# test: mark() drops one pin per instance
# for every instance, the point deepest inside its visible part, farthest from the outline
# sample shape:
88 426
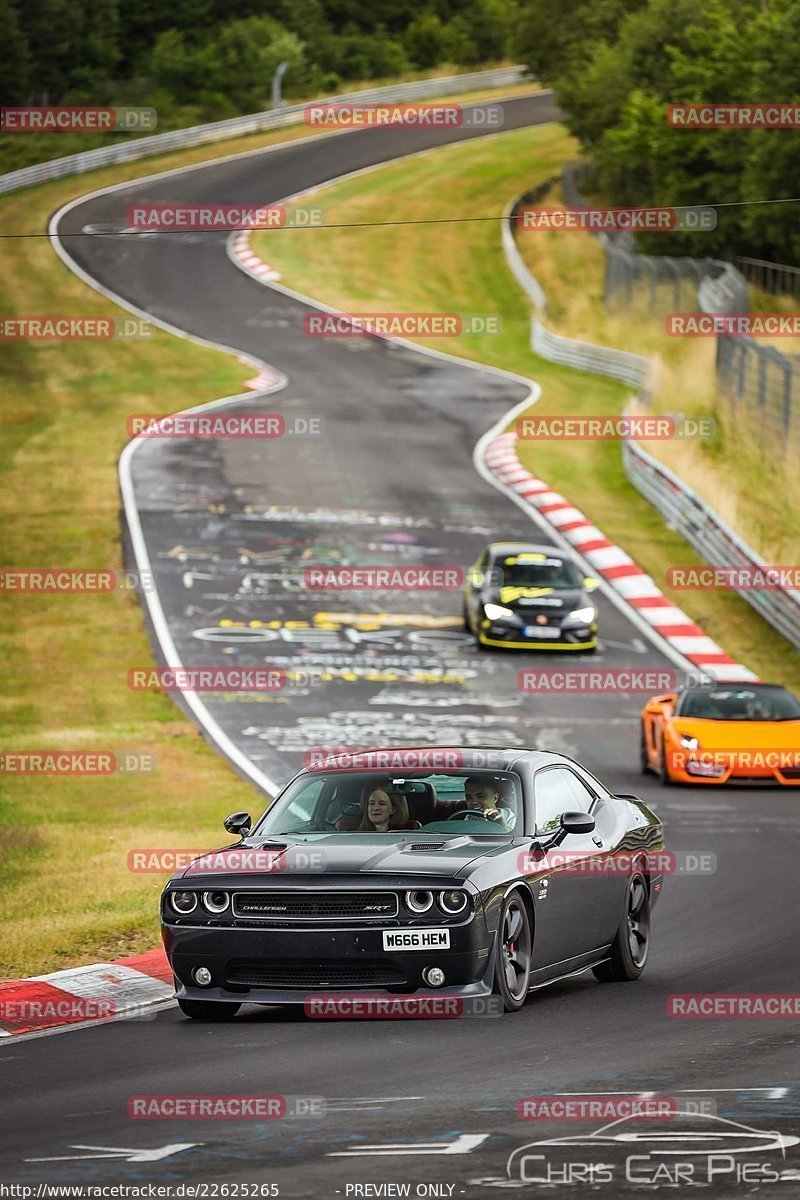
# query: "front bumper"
512 635
287 966
717 767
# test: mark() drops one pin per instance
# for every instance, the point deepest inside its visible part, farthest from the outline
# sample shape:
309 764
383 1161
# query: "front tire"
664 777
512 974
631 944
208 1010
644 758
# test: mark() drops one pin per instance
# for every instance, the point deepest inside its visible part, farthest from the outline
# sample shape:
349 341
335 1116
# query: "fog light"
202 976
433 976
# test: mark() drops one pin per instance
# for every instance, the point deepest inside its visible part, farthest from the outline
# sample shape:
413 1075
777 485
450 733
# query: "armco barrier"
216 131
680 505
632 369
508 224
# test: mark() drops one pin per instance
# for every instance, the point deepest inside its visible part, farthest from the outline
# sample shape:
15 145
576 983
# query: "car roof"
469 758
500 549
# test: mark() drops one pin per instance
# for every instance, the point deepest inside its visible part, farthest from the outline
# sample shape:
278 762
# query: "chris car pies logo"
697 1150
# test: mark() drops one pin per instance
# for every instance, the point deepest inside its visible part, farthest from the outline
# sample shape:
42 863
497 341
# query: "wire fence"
682 508
777 278
761 384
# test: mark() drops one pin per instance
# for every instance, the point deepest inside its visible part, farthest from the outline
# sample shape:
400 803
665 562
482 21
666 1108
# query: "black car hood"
342 854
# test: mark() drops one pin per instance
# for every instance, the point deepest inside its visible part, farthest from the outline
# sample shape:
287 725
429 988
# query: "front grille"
790 772
315 906
529 615
292 973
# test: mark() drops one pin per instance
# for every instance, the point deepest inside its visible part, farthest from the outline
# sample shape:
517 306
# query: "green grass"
67 896
460 267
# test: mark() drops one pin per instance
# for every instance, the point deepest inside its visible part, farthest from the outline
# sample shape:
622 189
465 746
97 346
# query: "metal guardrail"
684 510
722 289
632 369
528 282
709 535
215 131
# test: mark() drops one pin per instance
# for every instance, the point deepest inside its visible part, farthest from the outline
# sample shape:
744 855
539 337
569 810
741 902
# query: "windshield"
540 571
740 704
356 802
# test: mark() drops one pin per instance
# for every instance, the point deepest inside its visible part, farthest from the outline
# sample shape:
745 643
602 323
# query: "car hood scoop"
323 855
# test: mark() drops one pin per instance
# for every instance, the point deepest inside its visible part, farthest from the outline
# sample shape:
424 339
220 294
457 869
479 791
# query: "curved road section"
229 528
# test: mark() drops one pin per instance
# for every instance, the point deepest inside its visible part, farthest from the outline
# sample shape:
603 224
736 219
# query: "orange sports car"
723 733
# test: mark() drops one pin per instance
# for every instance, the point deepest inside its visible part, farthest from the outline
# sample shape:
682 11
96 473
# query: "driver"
482 793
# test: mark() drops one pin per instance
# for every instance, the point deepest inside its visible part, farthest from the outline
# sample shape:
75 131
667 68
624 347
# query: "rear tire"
208 1010
512 973
631 944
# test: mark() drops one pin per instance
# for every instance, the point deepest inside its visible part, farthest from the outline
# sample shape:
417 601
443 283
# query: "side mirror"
590 584
238 823
577 822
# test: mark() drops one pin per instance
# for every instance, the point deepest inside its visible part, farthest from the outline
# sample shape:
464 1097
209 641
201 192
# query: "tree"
426 40
15 59
237 61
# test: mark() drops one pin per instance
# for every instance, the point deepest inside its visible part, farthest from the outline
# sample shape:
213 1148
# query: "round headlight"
216 902
419 902
452 903
183 902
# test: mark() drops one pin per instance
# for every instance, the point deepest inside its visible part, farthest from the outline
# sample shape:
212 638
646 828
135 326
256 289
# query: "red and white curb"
239 250
93 995
264 381
248 260
611 564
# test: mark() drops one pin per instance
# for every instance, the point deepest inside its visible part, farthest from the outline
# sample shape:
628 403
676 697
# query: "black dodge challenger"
418 872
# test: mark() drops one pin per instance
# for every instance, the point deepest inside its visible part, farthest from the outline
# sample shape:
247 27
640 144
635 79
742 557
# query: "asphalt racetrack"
227 527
